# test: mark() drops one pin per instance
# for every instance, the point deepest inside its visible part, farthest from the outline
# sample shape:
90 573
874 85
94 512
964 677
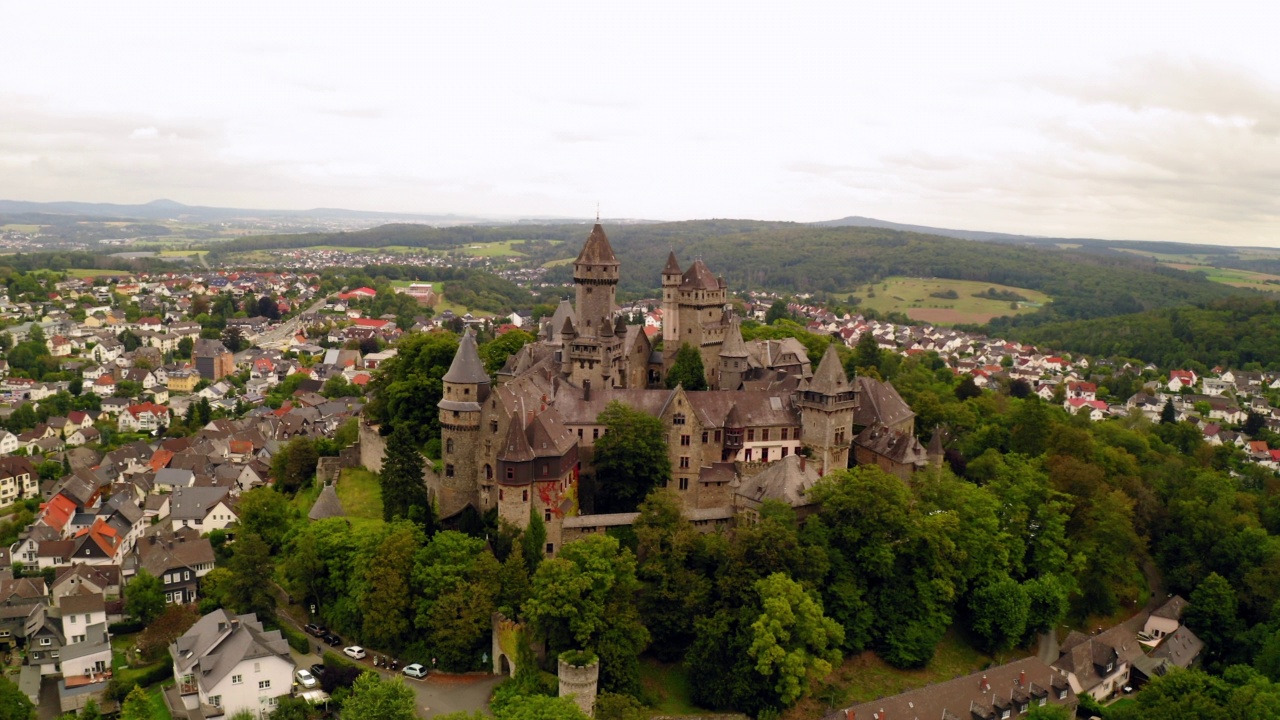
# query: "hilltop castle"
768 429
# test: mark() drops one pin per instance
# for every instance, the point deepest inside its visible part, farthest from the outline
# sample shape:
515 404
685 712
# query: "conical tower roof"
517 448
466 367
672 267
733 346
597 251
566 328
734 418
327 504
606 328
829 379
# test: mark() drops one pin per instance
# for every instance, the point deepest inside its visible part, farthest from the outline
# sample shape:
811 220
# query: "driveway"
438 694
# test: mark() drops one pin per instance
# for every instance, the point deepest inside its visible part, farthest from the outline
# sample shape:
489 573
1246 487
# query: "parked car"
305 679
415 671
317 670
332 640
316 630
355 651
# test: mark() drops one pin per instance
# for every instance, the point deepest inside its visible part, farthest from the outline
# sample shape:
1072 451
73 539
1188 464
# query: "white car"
305 678
355 651
415 671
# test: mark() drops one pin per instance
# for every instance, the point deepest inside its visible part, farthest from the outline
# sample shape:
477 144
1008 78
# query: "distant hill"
171 210
859 221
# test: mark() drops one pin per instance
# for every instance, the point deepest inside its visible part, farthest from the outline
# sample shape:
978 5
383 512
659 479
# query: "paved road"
279 335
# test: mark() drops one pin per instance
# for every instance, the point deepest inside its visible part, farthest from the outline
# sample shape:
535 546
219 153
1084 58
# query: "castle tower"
733 358
670 305
515 475
826 403
579 674
595 277
466 386
700 318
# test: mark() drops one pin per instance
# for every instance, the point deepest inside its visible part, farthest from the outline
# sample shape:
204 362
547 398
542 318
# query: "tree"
294 708
403 486
14 704
967 388
155 639
295 465
585 598
76 386
144 597
867 353
533 540
513 585
373 698
185 347
268 308
541 707
456 580
777 311
687 370
1253 422
249 587
675 591
136 706
999 612
495 352
1213 614
233 338
266 513
792 642
386 600
1168 415
630 458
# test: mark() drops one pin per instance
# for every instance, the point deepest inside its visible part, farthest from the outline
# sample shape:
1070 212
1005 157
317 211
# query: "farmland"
916 298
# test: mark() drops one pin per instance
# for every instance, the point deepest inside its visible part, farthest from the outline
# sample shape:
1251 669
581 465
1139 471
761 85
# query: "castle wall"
580 682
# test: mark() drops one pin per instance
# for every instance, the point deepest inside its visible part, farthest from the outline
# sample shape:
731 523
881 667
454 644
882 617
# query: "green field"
442 301
1235 278
555 263
182 253
912 297
93 272
361 497
18 227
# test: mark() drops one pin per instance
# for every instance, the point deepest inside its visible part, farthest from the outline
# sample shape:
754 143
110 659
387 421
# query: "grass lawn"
494 249
913 297
93 272
306 498
120 665
556 263
182 253
866 677
1233 277
159 711
361 496
667 685
19 227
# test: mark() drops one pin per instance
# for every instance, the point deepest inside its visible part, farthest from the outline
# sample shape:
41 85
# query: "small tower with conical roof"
466 386
826 402
734 358
595 277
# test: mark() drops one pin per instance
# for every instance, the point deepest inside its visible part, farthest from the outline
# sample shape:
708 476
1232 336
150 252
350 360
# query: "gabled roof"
699 277
219 642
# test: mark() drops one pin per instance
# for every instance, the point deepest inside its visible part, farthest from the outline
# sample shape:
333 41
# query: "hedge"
297 639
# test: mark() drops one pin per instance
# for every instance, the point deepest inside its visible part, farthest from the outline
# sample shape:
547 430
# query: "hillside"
1232 333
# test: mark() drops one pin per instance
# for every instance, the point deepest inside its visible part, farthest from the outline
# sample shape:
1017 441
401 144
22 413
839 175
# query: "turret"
826 402
671 303
595 275
734 358
466 386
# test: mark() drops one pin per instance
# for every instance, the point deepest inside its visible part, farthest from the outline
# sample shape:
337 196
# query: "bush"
338 673
578 658
125 627
297 639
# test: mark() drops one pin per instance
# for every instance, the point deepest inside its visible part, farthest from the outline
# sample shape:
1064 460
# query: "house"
202 508
1179 379
231 663
178 559
104 386
18 480
1099 664
143 417
213 360
184 380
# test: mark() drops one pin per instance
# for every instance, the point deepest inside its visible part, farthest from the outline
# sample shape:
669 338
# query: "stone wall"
373 446
328 469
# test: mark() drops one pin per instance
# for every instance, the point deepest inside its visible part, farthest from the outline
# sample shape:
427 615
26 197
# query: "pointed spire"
606 328
597 250
517 448
672 267
829 378
620 326
466 367
566 328
734 418
733 346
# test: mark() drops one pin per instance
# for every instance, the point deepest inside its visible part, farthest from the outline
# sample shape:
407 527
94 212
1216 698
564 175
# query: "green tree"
675 591
967 388
373 698
136 706
266 513
456 580
1168 415
585 598
867 353
14 704
513 585
792 642
777 311
233 339
632 455
687 370
144 597
249 587
999 612
1213 614
403 486
533 540
185 347
294 466
295 708
386 601
494 353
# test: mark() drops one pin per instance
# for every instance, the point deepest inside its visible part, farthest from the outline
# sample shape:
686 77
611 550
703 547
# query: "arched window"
448 445
488 471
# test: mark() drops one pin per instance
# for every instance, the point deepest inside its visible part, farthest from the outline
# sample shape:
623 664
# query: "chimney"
1022 679
586 390
850 714
802 463
984 685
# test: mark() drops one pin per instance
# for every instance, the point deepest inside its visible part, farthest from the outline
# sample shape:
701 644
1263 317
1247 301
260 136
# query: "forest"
1241 332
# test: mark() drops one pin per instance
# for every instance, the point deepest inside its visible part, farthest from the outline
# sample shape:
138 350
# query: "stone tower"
466 386
580 681
670 306
826 403
734 358
595 278
693 312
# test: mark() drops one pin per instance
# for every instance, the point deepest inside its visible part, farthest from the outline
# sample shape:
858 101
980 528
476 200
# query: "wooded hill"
1233 333
793 257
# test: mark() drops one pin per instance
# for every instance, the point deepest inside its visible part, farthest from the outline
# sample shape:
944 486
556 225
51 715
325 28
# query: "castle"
768 428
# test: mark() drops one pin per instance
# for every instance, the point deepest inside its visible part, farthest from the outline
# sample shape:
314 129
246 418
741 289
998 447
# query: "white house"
230 662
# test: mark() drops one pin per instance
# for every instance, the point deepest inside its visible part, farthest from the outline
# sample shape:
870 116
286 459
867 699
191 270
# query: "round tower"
579 673
466 386
671 304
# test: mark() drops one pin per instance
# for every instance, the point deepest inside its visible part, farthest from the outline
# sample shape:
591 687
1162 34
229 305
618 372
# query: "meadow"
914 297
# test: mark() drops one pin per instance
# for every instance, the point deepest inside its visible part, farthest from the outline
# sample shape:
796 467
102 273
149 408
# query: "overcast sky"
1147 121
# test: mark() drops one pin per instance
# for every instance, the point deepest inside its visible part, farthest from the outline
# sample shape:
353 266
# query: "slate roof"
597 250
829 378
788 480
466 366
219 641
879 402
1180 647
194 503
327 504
